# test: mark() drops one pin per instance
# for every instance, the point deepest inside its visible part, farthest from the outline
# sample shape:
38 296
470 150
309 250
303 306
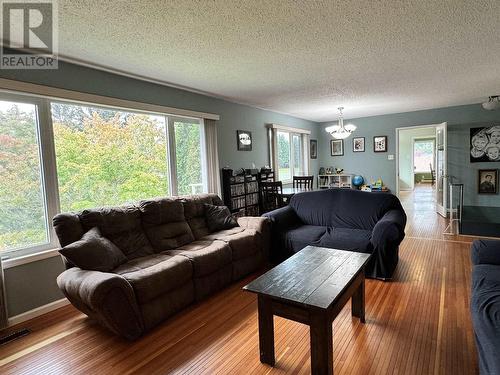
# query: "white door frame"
433 126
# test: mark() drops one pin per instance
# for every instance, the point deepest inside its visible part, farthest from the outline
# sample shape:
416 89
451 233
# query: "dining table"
288 192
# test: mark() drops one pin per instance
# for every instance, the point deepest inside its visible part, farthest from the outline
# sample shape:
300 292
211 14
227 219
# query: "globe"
358 180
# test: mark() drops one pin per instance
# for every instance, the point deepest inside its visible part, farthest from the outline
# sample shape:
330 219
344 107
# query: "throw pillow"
219 218
94 252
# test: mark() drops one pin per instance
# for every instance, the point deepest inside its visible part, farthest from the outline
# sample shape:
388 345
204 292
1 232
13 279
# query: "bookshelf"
326 181
240 193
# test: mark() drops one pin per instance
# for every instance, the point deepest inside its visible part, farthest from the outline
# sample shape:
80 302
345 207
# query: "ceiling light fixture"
493 103
340 131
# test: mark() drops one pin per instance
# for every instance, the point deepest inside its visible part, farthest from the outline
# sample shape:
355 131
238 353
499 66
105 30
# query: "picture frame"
358 144
380 143
337 147
487 181
244 140
313 148
485 144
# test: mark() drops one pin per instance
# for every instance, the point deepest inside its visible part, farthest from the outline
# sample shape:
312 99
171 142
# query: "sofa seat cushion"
298 238
156 274
165 224
347 239
485 311
205 256
243 242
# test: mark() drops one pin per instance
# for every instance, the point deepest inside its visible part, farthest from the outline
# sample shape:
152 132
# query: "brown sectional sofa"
172 260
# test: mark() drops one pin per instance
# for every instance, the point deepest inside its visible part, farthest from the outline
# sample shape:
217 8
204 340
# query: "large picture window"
108 157
58 156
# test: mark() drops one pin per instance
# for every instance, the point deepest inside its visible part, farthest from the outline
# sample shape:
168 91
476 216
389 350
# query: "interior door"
441 170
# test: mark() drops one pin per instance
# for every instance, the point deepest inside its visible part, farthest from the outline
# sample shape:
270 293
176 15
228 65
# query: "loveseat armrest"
106 297
391 228
485 252
283 219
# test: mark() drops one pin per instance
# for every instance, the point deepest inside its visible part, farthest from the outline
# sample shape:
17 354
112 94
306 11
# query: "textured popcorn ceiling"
303 58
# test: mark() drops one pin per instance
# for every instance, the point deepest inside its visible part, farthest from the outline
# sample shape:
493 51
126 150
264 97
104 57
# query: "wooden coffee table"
311 287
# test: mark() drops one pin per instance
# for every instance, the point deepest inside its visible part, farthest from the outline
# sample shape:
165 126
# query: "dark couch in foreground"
171 259
343 219
485 304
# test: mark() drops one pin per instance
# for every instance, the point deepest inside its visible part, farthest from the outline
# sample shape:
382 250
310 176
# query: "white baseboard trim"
37 311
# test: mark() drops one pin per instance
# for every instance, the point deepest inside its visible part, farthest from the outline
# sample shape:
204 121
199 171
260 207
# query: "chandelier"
340 131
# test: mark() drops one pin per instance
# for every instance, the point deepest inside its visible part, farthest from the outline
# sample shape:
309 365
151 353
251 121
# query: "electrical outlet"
390 157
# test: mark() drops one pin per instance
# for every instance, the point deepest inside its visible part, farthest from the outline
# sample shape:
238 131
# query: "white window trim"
49 180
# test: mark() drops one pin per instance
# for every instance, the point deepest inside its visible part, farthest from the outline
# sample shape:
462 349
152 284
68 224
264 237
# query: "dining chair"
271 195
433 175
305 182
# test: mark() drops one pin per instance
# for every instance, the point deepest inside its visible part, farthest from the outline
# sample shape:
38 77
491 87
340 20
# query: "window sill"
23 259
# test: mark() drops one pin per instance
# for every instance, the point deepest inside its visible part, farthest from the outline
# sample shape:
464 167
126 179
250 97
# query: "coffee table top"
313 277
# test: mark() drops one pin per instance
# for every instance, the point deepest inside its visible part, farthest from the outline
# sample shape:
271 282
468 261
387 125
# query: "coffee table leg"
358 302
266 331
321 344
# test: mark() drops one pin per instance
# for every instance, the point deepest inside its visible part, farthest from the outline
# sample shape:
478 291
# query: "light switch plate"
390 157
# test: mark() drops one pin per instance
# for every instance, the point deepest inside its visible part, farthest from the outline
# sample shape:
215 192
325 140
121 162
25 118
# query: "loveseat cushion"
347 239
194 210
205 256
298 238
485 311
94 252
121 225
154 275
165 224
243 242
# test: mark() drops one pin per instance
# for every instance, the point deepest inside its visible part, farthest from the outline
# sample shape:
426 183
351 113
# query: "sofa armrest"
391 228
106 297
283 219
262 226
485 252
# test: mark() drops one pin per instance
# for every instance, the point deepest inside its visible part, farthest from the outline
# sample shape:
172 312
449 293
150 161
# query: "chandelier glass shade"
341 131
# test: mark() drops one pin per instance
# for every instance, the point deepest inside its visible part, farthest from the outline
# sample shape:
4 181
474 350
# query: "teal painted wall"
33 285
369 164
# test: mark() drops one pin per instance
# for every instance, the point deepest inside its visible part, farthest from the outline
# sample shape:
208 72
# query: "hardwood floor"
416 324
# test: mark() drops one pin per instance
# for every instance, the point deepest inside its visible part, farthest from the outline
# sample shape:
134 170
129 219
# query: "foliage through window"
23 221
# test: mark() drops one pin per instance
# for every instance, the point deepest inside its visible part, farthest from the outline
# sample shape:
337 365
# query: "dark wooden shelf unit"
240 193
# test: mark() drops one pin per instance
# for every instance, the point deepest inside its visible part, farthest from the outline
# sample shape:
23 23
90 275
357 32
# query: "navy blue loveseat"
485 303
343 219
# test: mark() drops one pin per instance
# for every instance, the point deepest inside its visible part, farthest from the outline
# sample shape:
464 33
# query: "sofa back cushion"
165 224
343 208
194 210
122 226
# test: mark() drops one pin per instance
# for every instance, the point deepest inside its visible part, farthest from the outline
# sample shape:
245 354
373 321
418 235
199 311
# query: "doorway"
421 166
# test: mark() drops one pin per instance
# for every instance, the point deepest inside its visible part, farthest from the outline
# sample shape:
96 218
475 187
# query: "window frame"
302 141
424 140
48 163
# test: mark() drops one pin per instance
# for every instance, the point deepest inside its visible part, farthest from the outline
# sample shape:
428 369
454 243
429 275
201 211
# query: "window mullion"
172 160
49 166
292 156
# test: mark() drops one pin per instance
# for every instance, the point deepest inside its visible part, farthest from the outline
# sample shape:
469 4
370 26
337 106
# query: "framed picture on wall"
380 143
244 139
337 147
313 148
485 144
487 181
358 144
